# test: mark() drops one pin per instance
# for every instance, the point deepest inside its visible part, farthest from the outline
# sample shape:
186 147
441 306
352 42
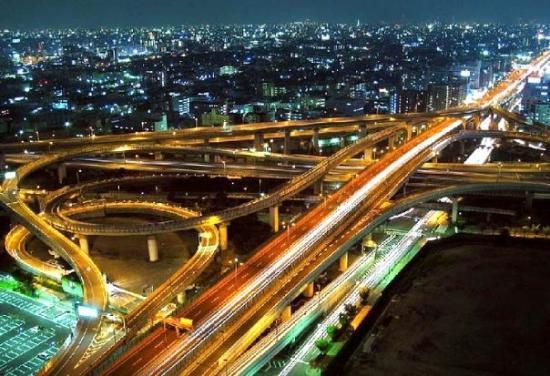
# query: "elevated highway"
262 272
309 232
246 132
286 191
196 340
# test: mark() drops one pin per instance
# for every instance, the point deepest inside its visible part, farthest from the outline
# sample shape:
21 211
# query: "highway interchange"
231 314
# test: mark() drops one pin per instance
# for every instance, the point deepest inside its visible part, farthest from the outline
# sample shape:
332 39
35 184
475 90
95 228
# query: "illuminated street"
226 199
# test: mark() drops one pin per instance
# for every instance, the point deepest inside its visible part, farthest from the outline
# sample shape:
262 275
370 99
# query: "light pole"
224 171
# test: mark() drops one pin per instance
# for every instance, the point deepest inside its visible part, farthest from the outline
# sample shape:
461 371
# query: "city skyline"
34 14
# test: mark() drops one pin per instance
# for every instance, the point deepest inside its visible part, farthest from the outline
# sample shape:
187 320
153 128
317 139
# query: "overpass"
248 132
394 168
304 237
269 345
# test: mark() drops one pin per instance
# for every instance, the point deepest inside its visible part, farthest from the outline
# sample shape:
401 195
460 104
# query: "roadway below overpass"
59 243
274 341
246 132
266 266
284 192
191 343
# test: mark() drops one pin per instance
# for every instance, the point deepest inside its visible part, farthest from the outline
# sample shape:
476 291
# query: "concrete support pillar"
409 132
363 130
368 154
222 229
529 200
286 315
343 263
84 243
286 142
343 142
206 158
274 218
309 291
494 122
476 121
367 242
315 140
153 248
61 172
318 187
159 156
461 147
454 212
392 142
181 297
259 141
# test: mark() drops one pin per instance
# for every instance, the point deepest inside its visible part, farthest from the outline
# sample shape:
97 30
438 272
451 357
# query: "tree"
350 309
343 318
332 332
364 294
323 345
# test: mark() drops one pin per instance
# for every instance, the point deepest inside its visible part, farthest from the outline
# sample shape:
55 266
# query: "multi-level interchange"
229 317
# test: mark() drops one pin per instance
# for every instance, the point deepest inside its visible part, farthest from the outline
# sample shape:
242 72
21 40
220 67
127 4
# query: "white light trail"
253 289
372 278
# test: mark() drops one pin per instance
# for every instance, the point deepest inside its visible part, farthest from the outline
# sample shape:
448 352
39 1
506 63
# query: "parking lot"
31 332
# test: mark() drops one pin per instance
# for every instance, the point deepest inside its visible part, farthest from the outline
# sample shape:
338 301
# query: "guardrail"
288 190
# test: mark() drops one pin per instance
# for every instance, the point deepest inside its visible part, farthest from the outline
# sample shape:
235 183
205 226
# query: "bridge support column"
274 218
286 142
368 154
222 229
494 122
392 141
476 121
362 130
259 141
181 297
61 172
461 147
84 243
318 187
315 140
409 133
309 291
153 248
454 212
159 156
343 262
286 315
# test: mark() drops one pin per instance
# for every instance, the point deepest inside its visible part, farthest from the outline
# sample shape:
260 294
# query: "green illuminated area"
33 326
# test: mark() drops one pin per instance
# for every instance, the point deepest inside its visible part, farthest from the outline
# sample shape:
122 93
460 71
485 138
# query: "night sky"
31 14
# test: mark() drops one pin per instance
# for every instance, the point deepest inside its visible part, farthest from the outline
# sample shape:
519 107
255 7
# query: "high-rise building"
541 113
444 96
412 101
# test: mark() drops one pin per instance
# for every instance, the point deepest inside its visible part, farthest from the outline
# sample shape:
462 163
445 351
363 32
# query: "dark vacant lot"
465 308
